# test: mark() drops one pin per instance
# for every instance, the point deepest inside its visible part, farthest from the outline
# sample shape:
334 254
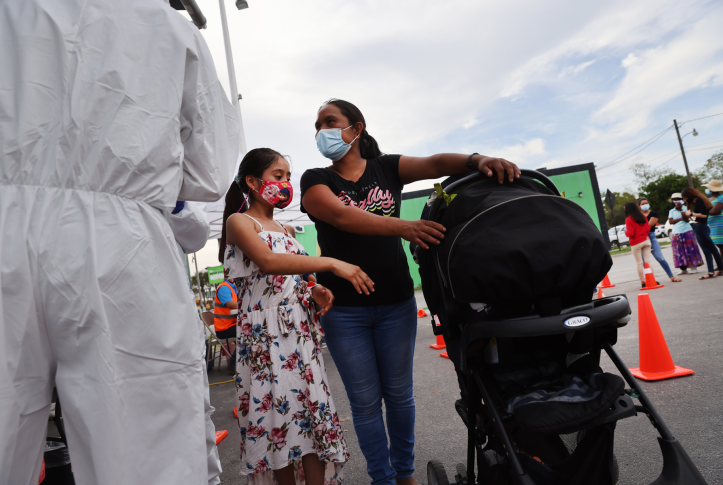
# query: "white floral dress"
285 406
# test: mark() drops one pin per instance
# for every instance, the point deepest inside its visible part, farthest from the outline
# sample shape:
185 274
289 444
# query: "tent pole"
199 283
232 76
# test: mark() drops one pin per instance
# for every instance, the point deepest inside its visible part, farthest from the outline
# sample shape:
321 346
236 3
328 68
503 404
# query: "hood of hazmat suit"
110 112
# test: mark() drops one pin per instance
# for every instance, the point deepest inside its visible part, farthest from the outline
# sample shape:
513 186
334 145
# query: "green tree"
712 170
618 212
644 173
659 191
204 280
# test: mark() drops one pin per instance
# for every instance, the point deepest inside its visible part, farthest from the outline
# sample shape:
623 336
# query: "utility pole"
685 161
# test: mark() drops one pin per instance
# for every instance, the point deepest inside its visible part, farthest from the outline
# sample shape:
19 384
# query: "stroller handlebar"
605 311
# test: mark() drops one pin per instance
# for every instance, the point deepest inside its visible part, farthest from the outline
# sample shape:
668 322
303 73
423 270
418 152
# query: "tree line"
657 185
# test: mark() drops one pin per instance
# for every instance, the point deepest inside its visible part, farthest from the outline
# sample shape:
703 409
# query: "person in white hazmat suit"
191 229
110 112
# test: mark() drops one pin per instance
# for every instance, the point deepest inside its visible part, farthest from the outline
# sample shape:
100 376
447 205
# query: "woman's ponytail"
255 163
368 147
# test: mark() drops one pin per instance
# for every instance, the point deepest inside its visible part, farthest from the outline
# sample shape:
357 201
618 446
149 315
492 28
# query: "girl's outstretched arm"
241 232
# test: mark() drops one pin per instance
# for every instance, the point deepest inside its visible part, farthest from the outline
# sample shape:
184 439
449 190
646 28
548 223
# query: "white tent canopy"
291 215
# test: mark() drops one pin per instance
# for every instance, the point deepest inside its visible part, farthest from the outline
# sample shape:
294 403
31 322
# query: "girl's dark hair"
689 194
368 147
633 211
640 199
255 163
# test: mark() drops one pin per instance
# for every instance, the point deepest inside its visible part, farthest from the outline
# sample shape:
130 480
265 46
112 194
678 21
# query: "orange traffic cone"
606 282
235 412
600 293
655 360
220 435
440 339
445 355
650 283
439 344
421 313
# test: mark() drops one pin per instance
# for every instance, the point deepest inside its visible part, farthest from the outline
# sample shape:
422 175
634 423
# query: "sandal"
709 276
675 280
719 273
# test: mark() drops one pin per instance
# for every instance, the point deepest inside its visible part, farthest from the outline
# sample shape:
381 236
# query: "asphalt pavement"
691 317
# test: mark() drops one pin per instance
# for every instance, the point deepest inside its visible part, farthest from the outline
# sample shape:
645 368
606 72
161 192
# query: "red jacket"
637 233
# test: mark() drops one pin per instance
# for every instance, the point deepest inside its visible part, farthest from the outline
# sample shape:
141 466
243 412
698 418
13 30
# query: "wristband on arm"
469 162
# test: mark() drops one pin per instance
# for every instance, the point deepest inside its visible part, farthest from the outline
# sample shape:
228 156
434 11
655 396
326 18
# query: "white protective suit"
109 113
191 229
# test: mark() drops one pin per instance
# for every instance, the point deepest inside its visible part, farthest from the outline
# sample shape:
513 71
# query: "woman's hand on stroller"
489 164
422 232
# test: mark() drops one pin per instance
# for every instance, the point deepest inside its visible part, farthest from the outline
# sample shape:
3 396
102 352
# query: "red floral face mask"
278 194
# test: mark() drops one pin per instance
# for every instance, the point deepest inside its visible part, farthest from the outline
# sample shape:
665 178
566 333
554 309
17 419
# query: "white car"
618 232
660 231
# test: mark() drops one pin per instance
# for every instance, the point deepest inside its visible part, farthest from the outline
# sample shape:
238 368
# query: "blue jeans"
373 348
658 254
710 251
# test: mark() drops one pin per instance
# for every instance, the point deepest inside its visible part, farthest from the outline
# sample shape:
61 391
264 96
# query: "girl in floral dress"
286 413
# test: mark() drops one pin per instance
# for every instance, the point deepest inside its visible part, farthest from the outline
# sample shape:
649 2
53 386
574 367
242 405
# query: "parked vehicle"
618 232
660 231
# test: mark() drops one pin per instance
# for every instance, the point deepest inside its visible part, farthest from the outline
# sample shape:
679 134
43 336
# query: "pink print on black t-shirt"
375 200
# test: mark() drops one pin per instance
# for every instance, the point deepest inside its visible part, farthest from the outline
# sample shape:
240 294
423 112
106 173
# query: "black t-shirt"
650 216
378 191
700 208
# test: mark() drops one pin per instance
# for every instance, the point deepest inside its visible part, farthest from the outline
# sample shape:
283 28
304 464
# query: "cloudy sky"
543 84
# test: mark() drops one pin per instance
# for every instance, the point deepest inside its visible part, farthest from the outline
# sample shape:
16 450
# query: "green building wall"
572 184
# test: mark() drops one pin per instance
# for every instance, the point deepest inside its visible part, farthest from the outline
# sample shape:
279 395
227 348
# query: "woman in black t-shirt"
356 205
701 206
653 218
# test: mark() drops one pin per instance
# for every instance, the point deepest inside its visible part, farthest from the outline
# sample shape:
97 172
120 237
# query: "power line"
644 145
649 142
665 162
696 119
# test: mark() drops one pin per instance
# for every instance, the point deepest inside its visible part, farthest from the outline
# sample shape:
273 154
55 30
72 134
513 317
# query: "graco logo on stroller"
576 321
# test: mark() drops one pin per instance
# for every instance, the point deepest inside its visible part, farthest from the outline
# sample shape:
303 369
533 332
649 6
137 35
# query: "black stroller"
525 336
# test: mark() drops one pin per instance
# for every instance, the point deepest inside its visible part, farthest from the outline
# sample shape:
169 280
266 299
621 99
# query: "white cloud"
572 70
691 61
630 60
522 152
470 123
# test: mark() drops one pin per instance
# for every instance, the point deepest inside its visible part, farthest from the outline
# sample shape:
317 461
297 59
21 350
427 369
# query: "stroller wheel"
436 474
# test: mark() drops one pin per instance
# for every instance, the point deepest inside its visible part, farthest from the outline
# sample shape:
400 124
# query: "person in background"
715 219
701 206
225 311
637 230
682 239
653 218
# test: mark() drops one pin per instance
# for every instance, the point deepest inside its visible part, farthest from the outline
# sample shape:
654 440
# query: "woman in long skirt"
685 248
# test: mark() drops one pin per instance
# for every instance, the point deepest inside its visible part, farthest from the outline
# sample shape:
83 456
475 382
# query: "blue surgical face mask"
645 207
331 144
707 192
